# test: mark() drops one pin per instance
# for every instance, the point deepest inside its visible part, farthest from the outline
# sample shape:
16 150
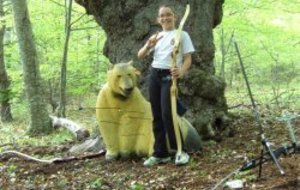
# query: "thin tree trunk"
224 51
4 81
63 75
40 122
222 73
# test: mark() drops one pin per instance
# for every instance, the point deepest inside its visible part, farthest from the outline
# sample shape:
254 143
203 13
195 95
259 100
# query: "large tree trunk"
4 81
40 120
129 23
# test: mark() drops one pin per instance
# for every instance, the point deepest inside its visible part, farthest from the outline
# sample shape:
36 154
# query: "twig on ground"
54 160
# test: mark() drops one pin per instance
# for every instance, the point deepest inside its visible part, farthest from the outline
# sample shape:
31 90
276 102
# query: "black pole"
264 141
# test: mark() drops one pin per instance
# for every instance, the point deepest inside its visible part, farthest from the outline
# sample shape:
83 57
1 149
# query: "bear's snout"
128 91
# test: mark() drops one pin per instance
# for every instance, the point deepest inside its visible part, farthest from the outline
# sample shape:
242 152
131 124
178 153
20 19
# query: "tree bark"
40 122
6 115
128 24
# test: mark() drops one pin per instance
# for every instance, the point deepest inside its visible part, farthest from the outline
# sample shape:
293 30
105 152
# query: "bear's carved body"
124 115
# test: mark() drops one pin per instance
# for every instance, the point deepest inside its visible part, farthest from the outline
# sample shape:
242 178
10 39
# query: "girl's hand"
151 42
176 73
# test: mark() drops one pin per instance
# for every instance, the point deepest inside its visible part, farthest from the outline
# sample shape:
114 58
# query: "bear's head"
122 79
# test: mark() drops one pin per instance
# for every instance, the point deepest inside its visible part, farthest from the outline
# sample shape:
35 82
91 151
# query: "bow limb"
179 31
174 82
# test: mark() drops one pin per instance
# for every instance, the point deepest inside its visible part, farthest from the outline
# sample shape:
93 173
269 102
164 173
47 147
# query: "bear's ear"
130 62
111 66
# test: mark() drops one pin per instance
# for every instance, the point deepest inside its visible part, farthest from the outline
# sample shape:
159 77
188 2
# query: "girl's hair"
167 6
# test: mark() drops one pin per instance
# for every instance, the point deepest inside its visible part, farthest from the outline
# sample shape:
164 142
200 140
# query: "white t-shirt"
164 47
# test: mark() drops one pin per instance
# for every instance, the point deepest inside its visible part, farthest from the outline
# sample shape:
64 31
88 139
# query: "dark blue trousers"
159 92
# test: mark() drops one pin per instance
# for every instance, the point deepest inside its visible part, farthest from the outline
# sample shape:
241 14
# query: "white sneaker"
156 160
182 159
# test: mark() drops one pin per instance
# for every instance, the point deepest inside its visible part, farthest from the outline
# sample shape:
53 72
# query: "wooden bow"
175 52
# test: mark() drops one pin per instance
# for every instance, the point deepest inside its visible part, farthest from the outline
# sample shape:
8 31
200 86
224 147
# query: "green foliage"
87 65
11 169
267 33
63 183
136 186
4 95
246 175
15 133
96 183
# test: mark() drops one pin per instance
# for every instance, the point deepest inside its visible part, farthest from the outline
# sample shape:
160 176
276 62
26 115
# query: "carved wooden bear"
125 117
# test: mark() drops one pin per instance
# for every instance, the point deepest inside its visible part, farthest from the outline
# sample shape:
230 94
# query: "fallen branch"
54 160
79 132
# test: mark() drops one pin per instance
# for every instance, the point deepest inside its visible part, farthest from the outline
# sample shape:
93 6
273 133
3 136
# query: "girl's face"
166 18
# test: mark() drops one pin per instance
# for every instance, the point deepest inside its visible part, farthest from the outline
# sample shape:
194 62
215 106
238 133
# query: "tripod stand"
267 153
266 149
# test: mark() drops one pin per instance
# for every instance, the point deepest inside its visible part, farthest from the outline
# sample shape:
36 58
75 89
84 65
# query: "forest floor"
204 171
